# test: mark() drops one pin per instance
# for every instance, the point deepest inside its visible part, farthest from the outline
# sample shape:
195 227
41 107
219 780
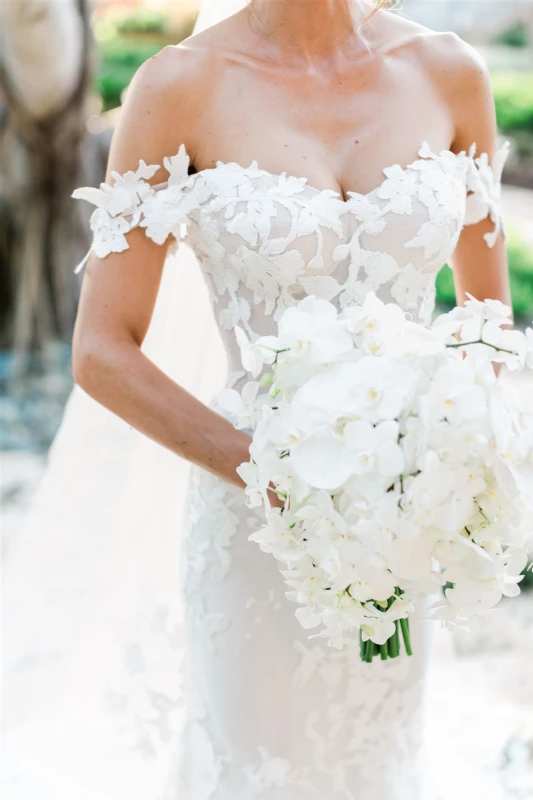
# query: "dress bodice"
266 240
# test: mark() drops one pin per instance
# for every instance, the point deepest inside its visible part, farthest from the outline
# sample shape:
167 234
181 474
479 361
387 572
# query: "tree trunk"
45 152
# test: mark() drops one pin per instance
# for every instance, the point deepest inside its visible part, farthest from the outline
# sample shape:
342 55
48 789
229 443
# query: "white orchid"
277 537
311 331
478 581
241 405
257 483
374 448
320 517
252 356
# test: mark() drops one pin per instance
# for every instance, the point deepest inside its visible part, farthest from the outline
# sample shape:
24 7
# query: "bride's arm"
119 292
480 261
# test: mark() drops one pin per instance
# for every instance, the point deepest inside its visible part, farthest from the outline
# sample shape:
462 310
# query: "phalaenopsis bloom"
404 464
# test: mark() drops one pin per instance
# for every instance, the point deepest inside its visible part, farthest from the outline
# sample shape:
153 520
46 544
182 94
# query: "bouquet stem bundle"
392 647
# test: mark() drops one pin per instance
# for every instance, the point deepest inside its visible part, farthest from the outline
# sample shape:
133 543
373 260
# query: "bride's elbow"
86 363
92 363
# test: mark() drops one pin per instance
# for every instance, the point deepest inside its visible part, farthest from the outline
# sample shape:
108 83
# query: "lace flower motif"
484 185
131 201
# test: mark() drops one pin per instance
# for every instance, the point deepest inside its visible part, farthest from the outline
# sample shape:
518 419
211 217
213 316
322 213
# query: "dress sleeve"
131 202
484 191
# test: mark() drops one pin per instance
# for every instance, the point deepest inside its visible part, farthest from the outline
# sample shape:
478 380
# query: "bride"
265 141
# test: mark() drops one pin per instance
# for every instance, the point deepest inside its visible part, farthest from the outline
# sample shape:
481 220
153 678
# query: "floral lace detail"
266 240
131 202
275 773
484 186
211 525
145 688
271 713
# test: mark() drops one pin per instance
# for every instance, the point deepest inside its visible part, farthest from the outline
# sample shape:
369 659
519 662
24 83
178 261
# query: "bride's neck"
314 26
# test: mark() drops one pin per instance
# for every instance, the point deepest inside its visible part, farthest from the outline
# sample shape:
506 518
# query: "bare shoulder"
162 106
443 56
459 76
462 78
454 65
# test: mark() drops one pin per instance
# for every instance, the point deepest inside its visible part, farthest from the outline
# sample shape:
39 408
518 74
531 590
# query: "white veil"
91 611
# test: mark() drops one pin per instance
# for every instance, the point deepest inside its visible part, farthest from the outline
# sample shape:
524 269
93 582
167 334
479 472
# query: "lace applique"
264 240
211 525
131 202
275 773
146 685
484 187
200 767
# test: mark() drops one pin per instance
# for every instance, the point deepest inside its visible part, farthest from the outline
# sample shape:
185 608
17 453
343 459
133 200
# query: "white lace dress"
271 713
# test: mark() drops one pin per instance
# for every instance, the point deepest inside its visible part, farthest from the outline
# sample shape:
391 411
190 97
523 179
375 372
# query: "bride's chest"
277 236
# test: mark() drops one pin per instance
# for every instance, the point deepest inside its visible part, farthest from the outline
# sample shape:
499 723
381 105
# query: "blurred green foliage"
142 21
520 257
513 95
125 41
119 60
517 36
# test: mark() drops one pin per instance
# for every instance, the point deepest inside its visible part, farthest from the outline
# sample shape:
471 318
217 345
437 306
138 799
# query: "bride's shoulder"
181 78
456 70
442 55
162 106
176 74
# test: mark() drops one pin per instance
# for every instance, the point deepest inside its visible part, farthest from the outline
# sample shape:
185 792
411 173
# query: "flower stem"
391 647
404 624
487 344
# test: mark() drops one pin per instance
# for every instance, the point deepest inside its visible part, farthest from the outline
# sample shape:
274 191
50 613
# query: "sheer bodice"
266 240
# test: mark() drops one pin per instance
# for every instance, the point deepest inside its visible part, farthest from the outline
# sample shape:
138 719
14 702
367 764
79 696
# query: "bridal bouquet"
400 461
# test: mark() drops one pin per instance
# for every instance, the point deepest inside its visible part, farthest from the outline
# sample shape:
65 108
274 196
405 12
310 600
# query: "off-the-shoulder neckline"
425 155
133 190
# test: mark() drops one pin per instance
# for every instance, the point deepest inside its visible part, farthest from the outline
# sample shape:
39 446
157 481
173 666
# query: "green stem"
396 639
487 344
368 651
404 624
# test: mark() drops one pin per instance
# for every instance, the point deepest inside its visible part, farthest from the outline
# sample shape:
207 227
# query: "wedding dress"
270 712
239 702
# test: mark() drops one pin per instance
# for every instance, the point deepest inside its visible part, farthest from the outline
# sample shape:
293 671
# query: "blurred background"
64 67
